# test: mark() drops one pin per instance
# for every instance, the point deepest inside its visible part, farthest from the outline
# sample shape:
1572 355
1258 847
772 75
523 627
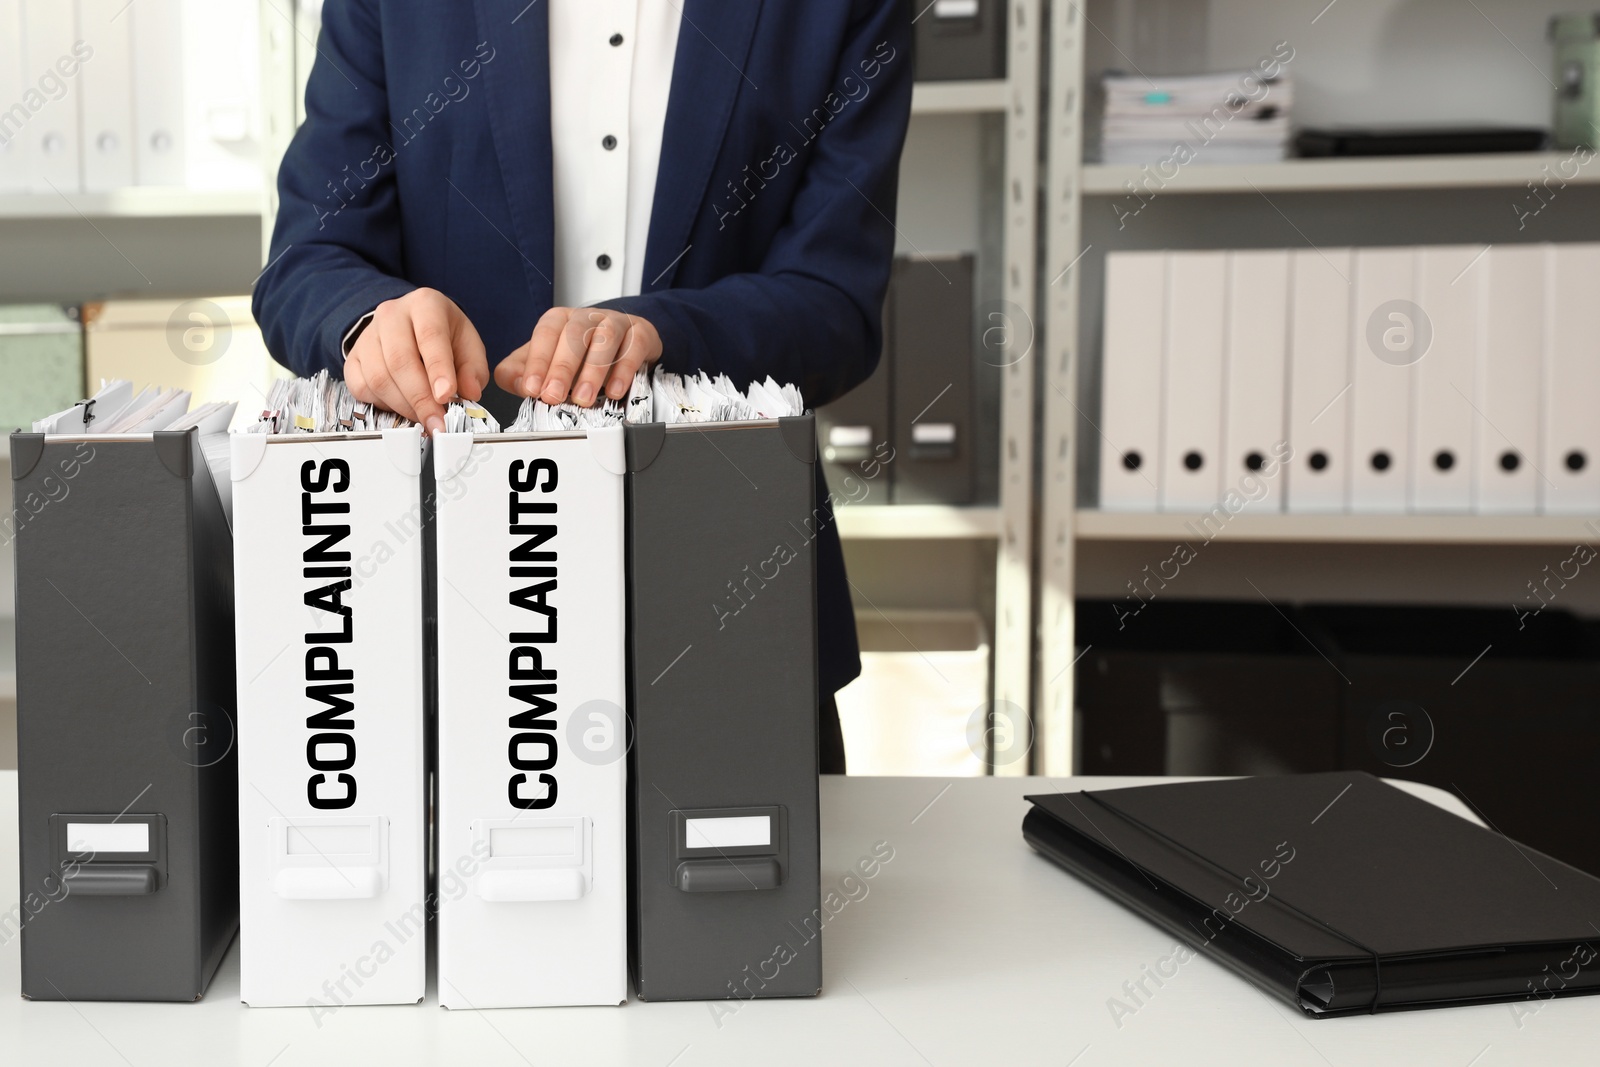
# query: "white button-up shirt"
610 76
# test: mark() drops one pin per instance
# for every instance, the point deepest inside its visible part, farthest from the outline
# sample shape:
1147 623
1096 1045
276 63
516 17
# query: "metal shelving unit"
1565 530
947 98
1058 486
1012 195
918 522
1333 175
135 203
1072 263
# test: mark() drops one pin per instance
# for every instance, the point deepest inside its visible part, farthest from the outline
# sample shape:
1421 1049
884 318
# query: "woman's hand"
417 353
580 353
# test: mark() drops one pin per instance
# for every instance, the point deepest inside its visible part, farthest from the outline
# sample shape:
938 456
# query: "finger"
472 361
430 323
355 379
509 373
541 349
634 354
569 353
605 342
380 383
405 384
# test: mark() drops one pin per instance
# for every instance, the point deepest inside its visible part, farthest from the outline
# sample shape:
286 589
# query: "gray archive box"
126 771
722 684
932 370
853 436
960 40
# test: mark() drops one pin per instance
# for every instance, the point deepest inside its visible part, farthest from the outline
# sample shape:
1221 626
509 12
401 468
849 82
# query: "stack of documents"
116 408
320 404
669 398
1230 117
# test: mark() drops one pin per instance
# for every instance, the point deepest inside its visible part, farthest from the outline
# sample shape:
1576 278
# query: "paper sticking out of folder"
654 397
115 408
701 398
320 404
536 416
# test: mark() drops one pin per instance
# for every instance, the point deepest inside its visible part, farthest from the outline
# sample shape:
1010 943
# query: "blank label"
529 841
329 840
99 837
736 832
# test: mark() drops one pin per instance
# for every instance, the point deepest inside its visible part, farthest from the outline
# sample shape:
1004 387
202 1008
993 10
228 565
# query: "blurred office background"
1136 237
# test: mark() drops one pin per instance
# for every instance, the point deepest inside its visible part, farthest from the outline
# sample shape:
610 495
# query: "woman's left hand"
578 353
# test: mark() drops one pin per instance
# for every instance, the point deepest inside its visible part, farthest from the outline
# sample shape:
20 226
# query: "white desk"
967 948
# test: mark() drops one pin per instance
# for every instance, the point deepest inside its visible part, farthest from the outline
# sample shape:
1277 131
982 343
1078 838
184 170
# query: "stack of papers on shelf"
1231 117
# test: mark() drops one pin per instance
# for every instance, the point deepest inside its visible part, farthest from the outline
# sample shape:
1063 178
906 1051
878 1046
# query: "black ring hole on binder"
1380 460
1254 461
1193 460
1132 460
1510 461
1576 461
1444 459
1318 461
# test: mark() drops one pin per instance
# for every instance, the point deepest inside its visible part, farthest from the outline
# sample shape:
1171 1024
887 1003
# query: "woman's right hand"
417 353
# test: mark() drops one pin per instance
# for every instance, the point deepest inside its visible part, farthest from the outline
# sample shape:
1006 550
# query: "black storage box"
1502 710
1201 687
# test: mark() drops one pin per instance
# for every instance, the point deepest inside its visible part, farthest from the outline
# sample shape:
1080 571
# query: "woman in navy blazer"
423 174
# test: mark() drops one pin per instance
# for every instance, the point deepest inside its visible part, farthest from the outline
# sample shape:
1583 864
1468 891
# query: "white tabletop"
966 948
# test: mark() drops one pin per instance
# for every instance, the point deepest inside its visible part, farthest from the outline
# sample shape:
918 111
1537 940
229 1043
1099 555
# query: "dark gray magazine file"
960 42
933 370
125 692
854 437
722 683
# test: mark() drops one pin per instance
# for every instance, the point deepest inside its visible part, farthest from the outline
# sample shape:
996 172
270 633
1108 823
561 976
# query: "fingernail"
616 389
556 391
530 384
441 389
435 425
586 394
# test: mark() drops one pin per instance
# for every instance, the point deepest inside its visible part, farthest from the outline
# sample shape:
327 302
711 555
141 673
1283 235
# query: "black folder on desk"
722 683
126 769
1336 892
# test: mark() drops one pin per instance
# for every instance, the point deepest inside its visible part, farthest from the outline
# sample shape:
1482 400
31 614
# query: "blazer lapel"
518 86
707 77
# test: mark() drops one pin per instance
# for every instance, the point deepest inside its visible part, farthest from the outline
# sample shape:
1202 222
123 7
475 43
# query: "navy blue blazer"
425 160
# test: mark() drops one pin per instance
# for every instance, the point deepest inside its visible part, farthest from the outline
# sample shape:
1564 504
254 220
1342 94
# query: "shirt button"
608 142
604 262
616 40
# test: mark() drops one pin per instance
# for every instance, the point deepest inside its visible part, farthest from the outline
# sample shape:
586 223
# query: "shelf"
132 203
958 98
1093 525
919 522
1314 175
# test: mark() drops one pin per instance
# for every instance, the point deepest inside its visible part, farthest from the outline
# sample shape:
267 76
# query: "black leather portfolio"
1336 892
